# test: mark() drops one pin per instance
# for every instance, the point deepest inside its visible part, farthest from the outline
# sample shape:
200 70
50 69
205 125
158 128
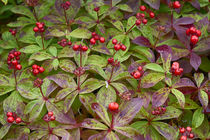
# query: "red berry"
75 47
92 41
175 65
111 60
192 30
117 47
142 15
188 32
142 8
144 21
114 41
153 112
178 72
176 5
15 62
152 15
38 23
18 67
69 43
8 62
18 120
140 68
40 26
198 33
10 119
42 30
36 29
113 106
35 71
138 15
9 114
41 69
96 37
183 138
17 58
123 48
96 9
10 30
52 118
137 75
50 114
94 34
102 39
181 130
13 33
138 22
194 39
68 3
191 136
164 109
189 129
15 54
34 66
11 56
19 53
84 48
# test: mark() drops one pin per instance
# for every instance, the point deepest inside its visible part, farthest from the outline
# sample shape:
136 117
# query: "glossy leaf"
40 56
127 131
195 61
154 67
180 97
199 77
203 97
153 3
67 65
69 100
142 41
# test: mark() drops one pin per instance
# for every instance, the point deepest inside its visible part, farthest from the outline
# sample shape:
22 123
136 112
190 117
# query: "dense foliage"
104 69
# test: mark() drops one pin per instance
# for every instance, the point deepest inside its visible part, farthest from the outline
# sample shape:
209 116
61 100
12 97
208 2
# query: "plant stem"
17 41
112 123
67 23
130 28
15 78
45 98
42 40
78 88
110 78
35 15
139 86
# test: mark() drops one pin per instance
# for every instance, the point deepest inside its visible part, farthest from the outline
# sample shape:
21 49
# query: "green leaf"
66 52
180 97
93 124
4 1
91 85
20 9
81 33
105 96
114 2
147 32
63 93
96 60
203 130
121 76
87 100
142 53
154 67
53 51
189 104
40 56
11 103
127 131
111 136
57 33
124 7
64 134
140 126
118 24
4 130
36 110
55 64
151 79
30 49
69 101
203 97
199 77
84 58
98 70
198 118
165 130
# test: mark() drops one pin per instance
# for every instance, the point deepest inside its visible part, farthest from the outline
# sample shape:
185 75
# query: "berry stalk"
130 29
15 78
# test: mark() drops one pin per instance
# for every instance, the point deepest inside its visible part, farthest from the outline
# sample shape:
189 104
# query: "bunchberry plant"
104 70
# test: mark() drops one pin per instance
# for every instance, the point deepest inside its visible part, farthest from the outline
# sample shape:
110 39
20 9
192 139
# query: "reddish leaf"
160 97
195 60
93 124
195 3
142 41
153 3
184 82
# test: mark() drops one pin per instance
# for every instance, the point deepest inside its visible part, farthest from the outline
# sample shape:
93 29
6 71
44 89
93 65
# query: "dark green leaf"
91 85
198 118
40 56
81 33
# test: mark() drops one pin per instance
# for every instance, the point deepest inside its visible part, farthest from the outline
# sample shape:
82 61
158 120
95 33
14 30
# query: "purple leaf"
128 110
184 21
111 136
142 41
195 60
127 131
179 52
203 45
53 137
93 124
160 97
203 97
195 4
51 88
70 100
153 3
87 100
184 82
63 134
181 34
185 64
98 136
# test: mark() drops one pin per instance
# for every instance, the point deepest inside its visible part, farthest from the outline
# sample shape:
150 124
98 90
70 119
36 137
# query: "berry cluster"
125 95
195 34
113 62
38 82
49 117
113 107
66 5
80 48
13 60
32 3
39 27
13 32
159 111
12 116
118 46
37 69
64 43
137 73
176 4
175 69
79 71
96 9
96 37
186 133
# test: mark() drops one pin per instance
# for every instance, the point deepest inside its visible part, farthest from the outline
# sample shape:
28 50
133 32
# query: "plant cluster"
104 70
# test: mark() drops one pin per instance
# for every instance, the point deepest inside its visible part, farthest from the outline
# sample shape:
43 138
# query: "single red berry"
15 54
175 65
42 30
9 114
181 130
10 30
176 5
35 71
198 33
36 29
142 8
19 53
40 26
75 47
8 62
94 34
138 22
38 23
113 106
17 58
189 129
41 69
13 33
114 41
18 120
69 43
177 72
34 66
8 59
142 15
111 60
152 15
194 39
102 39
164 109
52 118
123 47
138 15
18 67
192 30
188 32
153 112
10 119
137 75
68 3
11 56
191 136
96 9
183 138
15 62
117 47
92 41
96 37
144 21
84 48
50 114
140 68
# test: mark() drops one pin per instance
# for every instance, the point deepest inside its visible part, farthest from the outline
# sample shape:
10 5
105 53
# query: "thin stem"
130 28
17 41
112 56
154 46
15 78
45 98
110 78
66 19
80 58
42 36
112 123
139 86
35 15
